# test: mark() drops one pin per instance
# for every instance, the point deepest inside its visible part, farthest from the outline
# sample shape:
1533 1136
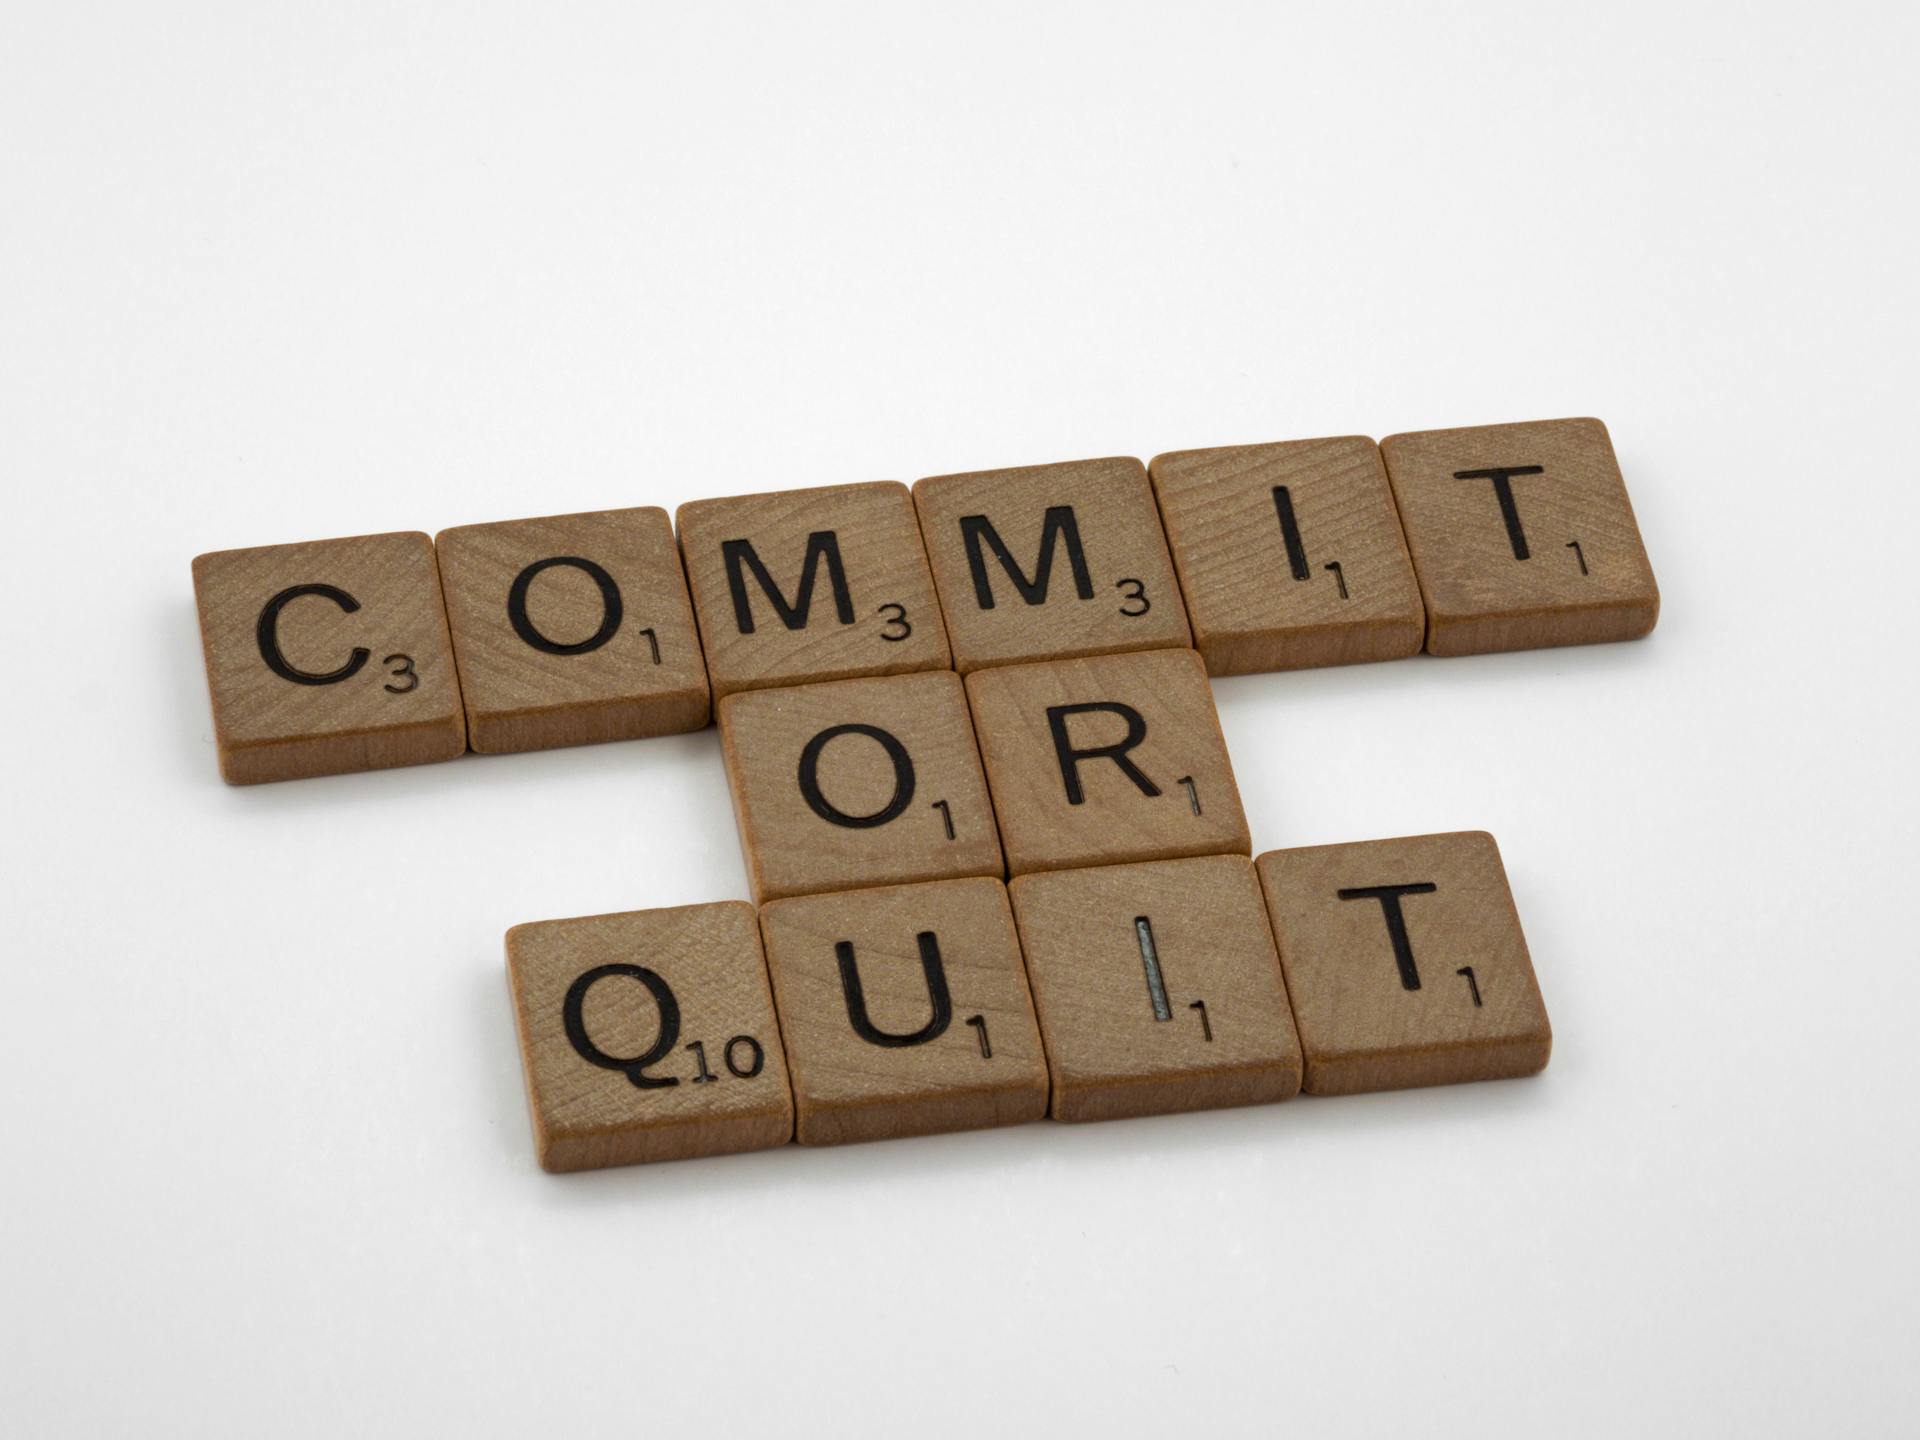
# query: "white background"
278 273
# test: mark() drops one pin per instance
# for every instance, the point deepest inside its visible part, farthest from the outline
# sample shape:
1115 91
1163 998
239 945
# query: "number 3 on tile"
402 670
897 626
1136 593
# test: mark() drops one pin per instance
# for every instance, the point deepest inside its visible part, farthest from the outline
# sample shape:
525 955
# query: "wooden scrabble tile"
1290 555
327 656
1522 536
648 1035
572 629
905 1011
1157 987
858 783
1405 962
800 586
1105 759
1049 561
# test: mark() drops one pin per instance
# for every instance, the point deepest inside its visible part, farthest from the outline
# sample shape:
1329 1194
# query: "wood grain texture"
1157 988
931 1035
822 806
365 676
1451 998
610 649
707 962
1561 564
1290 555
1085 569
1143 727
868 609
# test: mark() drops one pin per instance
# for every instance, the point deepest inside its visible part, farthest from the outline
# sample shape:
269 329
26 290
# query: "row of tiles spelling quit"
1084 994
341 655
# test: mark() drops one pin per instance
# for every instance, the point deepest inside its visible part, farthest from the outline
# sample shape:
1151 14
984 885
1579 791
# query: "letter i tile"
1157 988
1290 554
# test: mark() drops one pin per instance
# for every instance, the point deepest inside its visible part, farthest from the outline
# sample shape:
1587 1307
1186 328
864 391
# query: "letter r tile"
799 586
905 1011
1106 759
858 783
1048 561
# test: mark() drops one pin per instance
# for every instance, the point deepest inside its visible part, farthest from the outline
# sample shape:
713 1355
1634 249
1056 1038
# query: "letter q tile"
648 1035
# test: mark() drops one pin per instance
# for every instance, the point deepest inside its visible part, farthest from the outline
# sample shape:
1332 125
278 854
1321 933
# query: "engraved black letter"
1058 524
266 632
1503 492
1290 533
817 802
936 974
609 600
1070 758
635 1068
1389 898
823 546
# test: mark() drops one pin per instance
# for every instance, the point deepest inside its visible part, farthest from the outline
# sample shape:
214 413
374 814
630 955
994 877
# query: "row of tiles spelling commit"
381 650
1086 994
